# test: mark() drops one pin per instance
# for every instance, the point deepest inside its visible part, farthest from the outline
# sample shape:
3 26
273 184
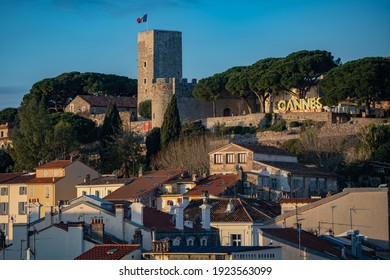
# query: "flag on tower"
144 18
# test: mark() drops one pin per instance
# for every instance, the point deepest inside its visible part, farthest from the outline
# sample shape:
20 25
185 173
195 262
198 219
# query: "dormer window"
176 241
203 241
190 241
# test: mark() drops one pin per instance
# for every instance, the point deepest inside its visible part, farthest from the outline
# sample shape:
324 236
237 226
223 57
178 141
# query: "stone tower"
159 56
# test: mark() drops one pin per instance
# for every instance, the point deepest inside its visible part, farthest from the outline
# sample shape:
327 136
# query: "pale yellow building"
56 182
102 186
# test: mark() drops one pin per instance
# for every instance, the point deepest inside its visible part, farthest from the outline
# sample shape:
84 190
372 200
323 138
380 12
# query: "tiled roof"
218 249
299 169
103 101
160 221
23 178
143 185
269 150
55 164
4 177
215 185
46 180
107 181
244 210
305 239
298 200
108 252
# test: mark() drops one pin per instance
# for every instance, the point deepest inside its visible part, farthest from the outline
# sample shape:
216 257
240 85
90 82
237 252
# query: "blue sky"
44 38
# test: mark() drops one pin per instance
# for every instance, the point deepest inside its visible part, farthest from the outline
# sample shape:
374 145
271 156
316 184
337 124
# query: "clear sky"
44 38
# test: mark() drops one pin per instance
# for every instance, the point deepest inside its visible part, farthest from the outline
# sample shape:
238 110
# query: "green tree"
264 79
64 140
238 84
129 152
170 128
362 81
85 129
371 138
8 115
58 91
32 141
211 89
145 109
301 70
152 143
110 129
6 161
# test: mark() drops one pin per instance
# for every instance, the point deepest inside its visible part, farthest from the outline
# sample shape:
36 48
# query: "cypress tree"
110 130
170 129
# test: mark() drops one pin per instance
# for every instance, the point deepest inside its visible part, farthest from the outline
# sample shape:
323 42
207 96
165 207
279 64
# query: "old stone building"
5 130
271 173
160 76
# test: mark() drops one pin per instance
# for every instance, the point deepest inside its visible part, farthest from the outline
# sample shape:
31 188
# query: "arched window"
176 241
190 241
226 112
203 241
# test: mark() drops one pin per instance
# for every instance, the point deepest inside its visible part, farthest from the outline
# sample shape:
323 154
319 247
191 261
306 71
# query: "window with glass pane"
229 158
22 208
235 239
242 158
218 158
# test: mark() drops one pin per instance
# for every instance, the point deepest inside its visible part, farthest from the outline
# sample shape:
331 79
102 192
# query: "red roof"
103 101
55 164
243 210
304 239
46 180
4 177
143 185
108 252
298 200
215 185
160 221
23 178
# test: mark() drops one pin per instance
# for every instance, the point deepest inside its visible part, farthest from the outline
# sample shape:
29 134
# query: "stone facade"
5 130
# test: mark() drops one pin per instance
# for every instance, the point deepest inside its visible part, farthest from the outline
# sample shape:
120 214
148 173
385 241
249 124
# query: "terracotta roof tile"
143 185
55 164
103 101
214 185
46 180
306 240
4 177
244 210
23 178
298 200
107 180
108 252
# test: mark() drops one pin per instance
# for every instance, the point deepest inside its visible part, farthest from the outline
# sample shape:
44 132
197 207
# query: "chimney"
205 215
87 178
137 213
194 177
229 206
48 216
140 173
179 217
97 229
119 216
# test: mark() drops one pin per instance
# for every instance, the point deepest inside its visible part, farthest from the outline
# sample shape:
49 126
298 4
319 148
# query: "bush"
295 124
145 109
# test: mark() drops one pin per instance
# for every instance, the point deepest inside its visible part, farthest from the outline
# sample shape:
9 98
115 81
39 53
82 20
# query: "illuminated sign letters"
298 105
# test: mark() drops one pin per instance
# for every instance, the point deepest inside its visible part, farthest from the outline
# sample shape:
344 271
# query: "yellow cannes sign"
298 105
